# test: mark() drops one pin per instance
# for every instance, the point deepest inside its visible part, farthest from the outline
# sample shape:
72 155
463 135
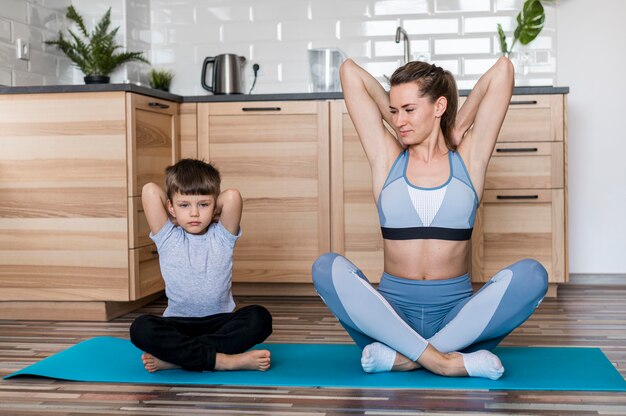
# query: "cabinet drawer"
138 229
145 273
263 107
533 118
518 224
526 165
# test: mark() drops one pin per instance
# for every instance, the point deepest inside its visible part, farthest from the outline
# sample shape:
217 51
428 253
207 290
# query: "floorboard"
582 315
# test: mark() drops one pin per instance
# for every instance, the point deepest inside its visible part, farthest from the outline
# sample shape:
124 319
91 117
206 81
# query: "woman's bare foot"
152 364
249 360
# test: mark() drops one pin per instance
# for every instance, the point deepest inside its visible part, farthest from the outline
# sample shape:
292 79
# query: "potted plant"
161 79
94 53
529 24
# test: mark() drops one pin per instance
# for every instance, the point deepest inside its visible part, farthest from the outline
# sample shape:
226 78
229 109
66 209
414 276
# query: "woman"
427 185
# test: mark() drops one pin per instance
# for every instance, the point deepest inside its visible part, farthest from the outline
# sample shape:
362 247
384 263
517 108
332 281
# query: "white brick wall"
36 21
459 35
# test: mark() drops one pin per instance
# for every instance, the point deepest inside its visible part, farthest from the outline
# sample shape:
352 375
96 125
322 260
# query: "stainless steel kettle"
227 74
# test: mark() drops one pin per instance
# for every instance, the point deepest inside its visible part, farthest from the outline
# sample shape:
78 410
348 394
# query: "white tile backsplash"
5 76
391 48
14 10
463 46
5 30
459 35
488 24
401 7
333 9
442 6
431 26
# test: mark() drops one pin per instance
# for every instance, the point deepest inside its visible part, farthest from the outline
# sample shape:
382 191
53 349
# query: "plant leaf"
529 22
73 15
96 53
504 48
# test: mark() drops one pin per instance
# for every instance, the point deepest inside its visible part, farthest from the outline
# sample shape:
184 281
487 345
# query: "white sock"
483 364
377 358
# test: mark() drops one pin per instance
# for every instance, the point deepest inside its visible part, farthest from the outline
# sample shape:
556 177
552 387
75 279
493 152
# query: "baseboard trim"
597 279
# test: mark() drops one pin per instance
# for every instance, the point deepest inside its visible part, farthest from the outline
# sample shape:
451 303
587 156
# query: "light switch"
23 49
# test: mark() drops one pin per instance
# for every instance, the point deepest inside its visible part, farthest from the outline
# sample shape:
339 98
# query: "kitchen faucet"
407 47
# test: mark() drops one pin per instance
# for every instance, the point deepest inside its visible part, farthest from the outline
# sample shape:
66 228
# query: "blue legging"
407 315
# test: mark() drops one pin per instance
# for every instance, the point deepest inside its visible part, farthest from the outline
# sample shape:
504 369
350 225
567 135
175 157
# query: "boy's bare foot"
152 364
249 360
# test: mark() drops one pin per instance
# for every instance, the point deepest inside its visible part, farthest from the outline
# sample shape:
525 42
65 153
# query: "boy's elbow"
232 197
150 188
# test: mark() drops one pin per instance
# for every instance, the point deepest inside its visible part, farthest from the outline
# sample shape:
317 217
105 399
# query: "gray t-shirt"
197 269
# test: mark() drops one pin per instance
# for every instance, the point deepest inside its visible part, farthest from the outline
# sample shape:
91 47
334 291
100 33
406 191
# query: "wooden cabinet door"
276 154
355 226
63 204
152 140
152 137
515 224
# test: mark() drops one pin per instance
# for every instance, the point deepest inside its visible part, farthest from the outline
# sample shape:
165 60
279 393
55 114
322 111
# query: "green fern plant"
529 24
95 53
161 79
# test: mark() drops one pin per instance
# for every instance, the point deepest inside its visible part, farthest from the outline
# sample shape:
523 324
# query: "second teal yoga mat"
107 359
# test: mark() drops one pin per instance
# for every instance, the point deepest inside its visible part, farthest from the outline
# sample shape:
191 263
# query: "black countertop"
41 89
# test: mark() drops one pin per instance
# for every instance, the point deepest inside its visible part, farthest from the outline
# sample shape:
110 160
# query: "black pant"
192 343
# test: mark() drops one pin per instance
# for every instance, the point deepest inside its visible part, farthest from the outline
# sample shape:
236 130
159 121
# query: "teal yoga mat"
106 359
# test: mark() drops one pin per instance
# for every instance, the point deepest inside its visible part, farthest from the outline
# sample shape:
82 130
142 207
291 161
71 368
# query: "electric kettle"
227 74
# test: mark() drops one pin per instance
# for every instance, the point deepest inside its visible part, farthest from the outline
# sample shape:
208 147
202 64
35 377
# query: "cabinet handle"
517 197
528 102
261 109
158 105
517 150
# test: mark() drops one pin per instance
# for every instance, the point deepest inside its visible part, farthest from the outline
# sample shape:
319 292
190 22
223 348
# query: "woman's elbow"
505 69
346 67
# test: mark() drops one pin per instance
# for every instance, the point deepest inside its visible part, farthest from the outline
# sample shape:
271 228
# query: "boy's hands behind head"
228 210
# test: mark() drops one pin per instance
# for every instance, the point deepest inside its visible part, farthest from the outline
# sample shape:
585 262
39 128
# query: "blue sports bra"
409 212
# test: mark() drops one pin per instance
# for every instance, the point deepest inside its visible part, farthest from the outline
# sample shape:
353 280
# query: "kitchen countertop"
40 89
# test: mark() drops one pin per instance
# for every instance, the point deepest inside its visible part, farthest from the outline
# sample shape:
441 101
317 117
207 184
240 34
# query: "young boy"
199 330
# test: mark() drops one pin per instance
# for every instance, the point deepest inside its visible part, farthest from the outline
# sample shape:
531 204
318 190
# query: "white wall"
591 61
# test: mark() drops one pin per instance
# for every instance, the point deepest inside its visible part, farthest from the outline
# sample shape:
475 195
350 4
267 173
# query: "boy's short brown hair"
192 177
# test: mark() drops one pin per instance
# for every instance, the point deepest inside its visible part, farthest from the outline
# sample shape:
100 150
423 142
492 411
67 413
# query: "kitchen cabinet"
73 236
523 212
277 154
355 226
524 208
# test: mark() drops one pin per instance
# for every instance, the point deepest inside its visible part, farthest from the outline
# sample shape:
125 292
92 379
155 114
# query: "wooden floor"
582 315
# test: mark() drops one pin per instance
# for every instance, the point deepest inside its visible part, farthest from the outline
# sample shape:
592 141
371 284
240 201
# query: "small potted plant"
95 53
161 79
529 24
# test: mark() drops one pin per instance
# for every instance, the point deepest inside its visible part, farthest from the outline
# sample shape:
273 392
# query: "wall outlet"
23 49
